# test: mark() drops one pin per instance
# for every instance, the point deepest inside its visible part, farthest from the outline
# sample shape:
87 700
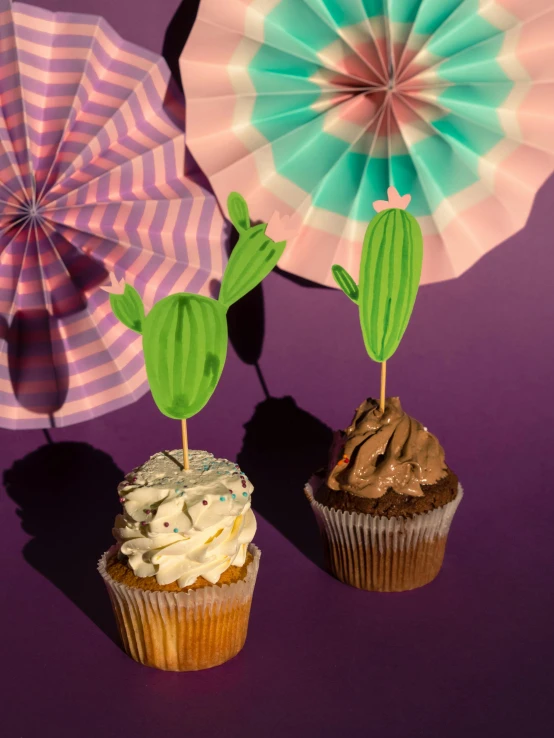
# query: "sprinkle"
122 499
233 495
222 499
204 502
175 530
166 525
245 494
345 460
148 512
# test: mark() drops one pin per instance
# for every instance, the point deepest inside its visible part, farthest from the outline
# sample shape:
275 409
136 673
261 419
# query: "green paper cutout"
345 282
238 211
128 308
253 257
390 271
185 346
184 336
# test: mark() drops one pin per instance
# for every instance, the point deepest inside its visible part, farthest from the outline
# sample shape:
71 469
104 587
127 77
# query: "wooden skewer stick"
383 385
185 445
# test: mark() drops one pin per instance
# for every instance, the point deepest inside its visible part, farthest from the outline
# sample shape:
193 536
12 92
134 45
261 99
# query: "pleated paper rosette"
92 181
318 106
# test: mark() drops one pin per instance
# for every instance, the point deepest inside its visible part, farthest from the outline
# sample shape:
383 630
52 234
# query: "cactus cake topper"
184 336
390 270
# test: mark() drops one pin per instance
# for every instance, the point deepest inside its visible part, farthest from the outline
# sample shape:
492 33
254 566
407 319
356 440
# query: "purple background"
472 653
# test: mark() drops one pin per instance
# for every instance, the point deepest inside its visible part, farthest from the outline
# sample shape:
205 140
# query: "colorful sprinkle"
345 460
175 530
233 495
222 499
166 525
204 502
122 499
245 494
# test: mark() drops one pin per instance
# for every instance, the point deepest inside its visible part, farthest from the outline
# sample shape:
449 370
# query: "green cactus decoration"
253 257
185 345
390 271
184 336
128 308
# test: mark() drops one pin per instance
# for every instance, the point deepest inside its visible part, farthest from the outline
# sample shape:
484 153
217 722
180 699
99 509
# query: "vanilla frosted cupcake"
182 574
386 502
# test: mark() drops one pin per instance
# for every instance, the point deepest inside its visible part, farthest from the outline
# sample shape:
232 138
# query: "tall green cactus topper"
184 336
390 270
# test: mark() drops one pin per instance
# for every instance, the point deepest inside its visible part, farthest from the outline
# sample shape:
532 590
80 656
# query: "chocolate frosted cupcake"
182 574
386 502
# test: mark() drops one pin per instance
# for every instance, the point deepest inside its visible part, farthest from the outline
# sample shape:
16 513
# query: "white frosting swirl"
178 525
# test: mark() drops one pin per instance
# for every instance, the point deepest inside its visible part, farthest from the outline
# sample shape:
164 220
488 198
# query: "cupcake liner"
384 554
182 631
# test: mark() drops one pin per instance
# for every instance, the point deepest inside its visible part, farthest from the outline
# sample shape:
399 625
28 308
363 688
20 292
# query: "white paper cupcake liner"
384 554
182 631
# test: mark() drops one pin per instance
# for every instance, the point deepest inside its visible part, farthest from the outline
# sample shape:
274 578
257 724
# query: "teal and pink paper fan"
93 180
318 106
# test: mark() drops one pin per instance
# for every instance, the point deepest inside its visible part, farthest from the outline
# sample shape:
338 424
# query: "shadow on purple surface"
246 323
64 493
177 34
283 445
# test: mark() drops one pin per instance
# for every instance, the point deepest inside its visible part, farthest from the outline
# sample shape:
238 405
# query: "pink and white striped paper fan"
92 180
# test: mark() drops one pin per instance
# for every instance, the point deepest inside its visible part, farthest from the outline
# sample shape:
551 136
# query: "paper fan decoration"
318 106
92 180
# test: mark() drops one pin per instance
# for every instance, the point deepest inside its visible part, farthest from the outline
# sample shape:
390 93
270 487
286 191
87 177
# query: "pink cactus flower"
283 228
394 201
115 288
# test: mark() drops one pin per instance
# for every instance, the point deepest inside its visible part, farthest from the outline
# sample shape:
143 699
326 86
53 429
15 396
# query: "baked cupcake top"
179 525
385 450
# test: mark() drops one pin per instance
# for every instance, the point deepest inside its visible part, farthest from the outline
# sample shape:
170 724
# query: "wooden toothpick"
185 445
383 385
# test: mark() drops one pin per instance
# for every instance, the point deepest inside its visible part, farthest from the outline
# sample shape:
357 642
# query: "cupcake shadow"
283 445
65 493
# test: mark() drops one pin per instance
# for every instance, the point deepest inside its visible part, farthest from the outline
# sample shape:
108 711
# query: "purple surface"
470 654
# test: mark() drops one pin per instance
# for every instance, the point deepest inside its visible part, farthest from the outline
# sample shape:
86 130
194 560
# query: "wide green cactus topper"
390 270
184 336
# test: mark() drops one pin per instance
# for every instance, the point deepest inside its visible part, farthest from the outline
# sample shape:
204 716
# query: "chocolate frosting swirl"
384 450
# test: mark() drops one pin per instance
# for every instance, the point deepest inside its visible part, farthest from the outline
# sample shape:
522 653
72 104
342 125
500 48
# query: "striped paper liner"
93 179
183 631
383 554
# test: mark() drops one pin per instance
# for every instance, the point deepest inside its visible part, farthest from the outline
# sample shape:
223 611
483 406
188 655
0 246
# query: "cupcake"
182 573
386 501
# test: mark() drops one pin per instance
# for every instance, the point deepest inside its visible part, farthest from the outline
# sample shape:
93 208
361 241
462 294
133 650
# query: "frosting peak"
384 450
178 525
